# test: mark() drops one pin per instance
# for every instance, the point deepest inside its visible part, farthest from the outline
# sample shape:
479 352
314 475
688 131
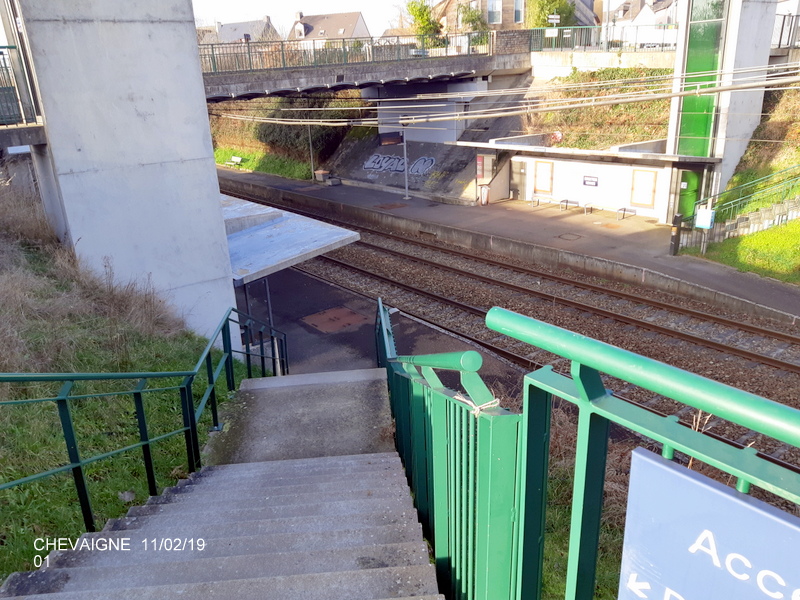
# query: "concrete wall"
748 36
574 180
547 65
128 172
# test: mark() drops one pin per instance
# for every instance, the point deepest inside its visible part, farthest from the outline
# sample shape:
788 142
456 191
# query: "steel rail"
514 358
687 337
754 329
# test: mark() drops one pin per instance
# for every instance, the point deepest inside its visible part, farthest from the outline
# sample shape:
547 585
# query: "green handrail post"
144 437
587 500
188 417
213 60
212 397
249 55
187 384
67 427
227 349
532 494
283 55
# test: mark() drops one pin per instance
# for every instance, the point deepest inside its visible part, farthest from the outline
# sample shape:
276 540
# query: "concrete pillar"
133 177
748 36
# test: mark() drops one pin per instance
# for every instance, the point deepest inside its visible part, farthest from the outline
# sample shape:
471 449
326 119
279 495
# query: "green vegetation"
57 317
255 160
537 11
472 21
775 144
599 127
771 253
278 148
422 21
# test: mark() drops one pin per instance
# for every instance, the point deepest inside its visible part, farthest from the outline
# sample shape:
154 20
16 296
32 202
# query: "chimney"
298 16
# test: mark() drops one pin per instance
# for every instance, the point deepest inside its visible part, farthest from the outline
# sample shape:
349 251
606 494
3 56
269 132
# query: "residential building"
330 27
261 30
501 14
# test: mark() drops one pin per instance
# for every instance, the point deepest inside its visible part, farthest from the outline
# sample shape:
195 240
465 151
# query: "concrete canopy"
263 240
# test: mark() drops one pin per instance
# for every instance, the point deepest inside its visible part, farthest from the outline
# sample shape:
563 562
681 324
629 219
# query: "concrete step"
280 469
373 457
349 507
292 479
244 528
222 500
327 487
199 570
306 416
368 584
149 548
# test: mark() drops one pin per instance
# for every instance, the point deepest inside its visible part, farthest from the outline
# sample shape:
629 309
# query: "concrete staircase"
322 528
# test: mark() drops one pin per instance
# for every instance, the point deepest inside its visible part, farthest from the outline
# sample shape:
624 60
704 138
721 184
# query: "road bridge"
250 84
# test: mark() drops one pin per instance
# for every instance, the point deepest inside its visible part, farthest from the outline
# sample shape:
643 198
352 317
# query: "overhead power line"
700 89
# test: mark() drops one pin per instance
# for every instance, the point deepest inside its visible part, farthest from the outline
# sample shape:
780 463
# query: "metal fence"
463 459
755 206
250 56
786 33
16 101
480 474
641 38
177 387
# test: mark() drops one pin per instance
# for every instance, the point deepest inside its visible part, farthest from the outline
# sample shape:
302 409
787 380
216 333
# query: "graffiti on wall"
382 163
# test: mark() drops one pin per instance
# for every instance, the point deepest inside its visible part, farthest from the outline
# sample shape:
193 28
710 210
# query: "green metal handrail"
191 415
598 408
776 185
462 457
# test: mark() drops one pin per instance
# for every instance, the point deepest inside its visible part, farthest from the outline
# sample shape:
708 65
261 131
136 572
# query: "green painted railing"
598 408
480 478
462 457
765 191
255 345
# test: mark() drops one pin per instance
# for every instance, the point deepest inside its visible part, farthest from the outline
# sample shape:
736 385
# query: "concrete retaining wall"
551 257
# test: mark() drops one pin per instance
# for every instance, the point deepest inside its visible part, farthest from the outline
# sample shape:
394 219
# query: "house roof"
259 31
326 27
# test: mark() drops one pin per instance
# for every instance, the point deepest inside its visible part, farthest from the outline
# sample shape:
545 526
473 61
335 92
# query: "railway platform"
635 244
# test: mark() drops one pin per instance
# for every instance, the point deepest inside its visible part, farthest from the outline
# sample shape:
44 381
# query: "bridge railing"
638 38
786 33
16 103
253 56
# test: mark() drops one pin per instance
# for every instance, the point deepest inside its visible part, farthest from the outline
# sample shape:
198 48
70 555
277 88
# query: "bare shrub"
23 219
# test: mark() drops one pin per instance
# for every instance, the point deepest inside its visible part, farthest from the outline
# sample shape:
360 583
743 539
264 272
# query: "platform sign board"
688 537
551 33
554 19
704 218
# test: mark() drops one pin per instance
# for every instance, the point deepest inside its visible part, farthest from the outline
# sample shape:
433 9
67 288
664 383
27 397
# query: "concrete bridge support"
128 173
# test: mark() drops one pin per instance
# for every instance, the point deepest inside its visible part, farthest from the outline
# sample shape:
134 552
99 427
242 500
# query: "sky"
377 13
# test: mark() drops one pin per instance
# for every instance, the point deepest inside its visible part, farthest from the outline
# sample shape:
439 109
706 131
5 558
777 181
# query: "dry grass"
46 298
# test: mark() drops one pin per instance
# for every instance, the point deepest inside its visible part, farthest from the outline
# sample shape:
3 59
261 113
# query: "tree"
537 12
472 18
422 20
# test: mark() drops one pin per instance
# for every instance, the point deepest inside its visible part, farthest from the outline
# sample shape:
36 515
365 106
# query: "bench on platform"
567 204
235 162
625 211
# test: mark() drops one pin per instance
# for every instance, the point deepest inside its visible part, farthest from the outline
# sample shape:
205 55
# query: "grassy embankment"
775 146
282 149
599 127
56 317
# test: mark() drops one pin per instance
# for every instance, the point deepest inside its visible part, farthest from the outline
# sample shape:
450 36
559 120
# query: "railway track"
453 289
